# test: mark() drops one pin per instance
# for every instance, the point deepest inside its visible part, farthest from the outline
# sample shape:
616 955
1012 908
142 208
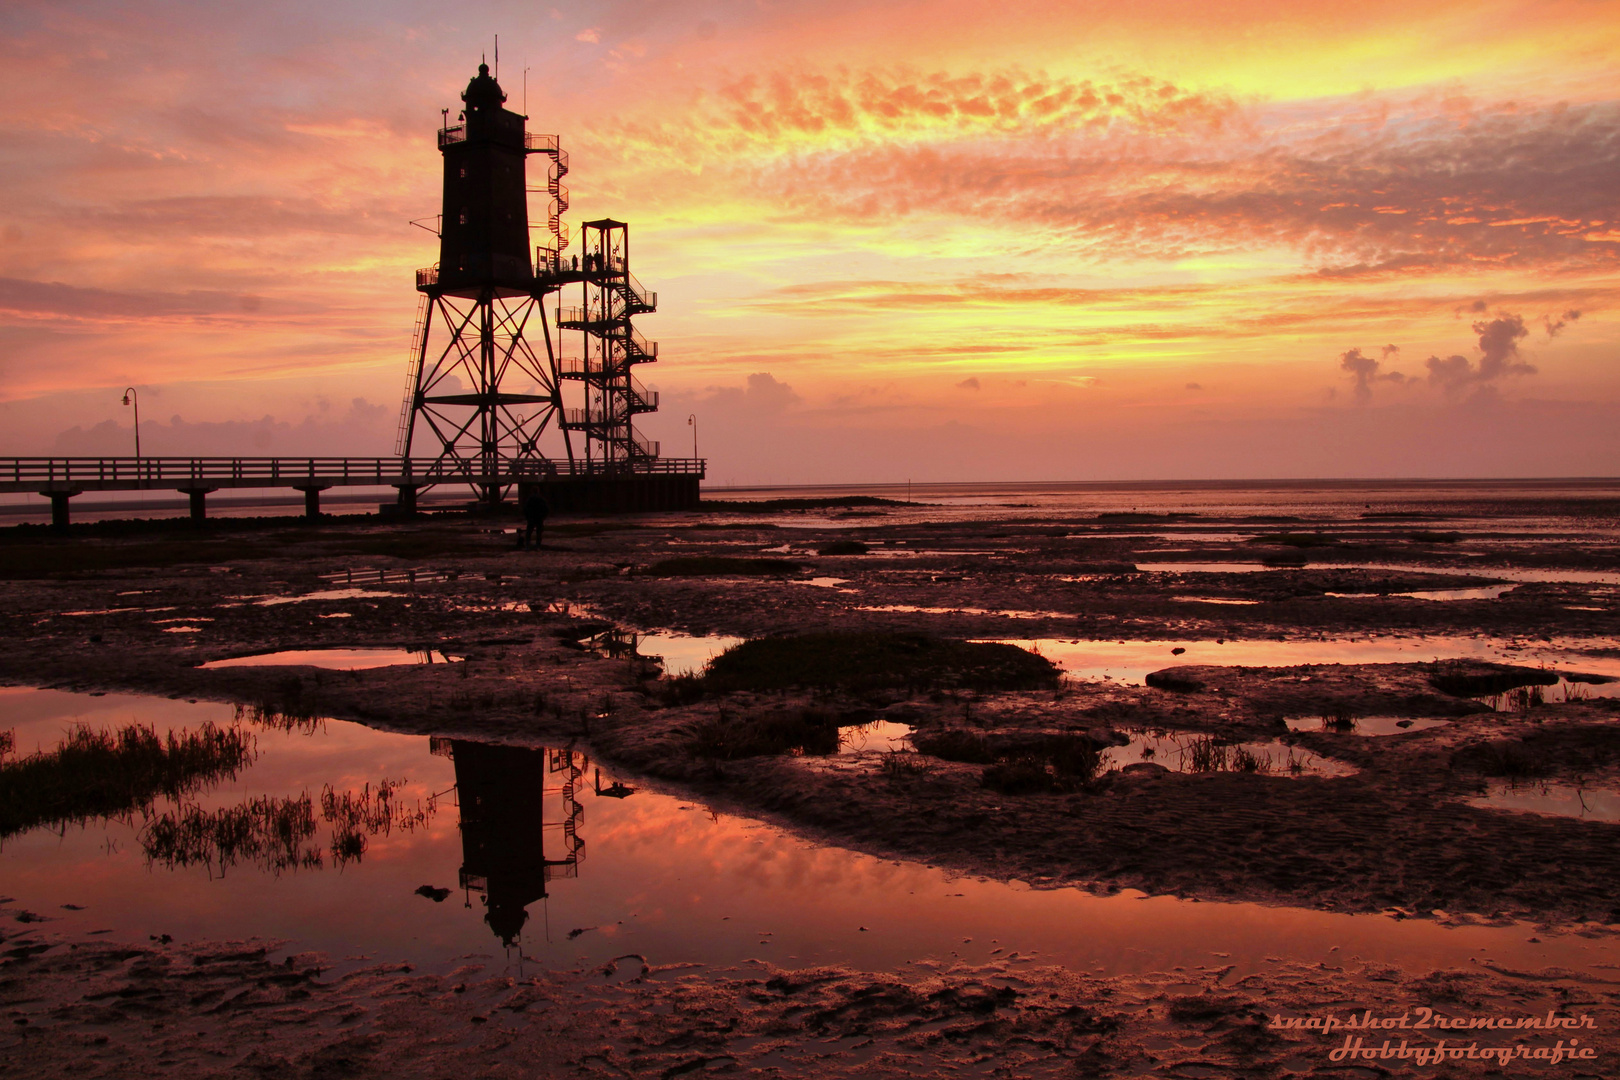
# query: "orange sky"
942 241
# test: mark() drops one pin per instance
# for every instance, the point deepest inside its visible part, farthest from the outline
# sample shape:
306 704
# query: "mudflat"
1333 709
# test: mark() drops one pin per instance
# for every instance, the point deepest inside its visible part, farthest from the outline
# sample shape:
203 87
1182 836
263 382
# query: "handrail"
112 473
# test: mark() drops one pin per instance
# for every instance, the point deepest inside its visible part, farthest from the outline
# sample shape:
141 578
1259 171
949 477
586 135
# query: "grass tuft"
107 774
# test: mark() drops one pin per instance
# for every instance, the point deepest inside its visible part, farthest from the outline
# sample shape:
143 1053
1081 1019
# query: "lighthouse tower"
485 389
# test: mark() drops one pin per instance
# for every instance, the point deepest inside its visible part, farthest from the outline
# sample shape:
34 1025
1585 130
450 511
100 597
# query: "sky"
941 241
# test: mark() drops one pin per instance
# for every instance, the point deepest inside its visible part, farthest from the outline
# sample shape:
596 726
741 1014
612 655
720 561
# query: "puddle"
1489 592
1561 800
1564 690
1184 752
335 659
1213 600
378 576
912 609
1131 661
879 735
533 844
1516 574
823 582
679 654
1364 725
329 594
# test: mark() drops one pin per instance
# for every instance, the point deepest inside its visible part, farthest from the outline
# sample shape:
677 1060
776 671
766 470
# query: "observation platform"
653 484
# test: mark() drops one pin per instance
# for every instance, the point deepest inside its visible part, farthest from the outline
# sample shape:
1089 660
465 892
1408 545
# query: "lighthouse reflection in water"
505 839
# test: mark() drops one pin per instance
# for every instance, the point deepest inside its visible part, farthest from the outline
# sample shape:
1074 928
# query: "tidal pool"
678 654
537 855
1488 592
1185 752
1131 661
1561 800
334 659
325 594
879 736
1364 725
1516 574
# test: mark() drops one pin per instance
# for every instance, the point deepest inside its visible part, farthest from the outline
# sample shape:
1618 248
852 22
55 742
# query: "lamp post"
132 398
692 420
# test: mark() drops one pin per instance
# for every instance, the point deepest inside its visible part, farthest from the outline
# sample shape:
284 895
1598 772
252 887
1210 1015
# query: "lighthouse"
484 238
508 386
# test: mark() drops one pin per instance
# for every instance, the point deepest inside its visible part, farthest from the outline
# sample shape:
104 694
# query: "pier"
658 484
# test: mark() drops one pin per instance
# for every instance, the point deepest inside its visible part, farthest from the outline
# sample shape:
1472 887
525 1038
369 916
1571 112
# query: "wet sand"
1395 834
223 1009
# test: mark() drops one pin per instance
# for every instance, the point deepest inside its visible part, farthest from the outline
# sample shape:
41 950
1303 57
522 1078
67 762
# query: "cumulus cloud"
1499 356
971 383
1366 370
763 394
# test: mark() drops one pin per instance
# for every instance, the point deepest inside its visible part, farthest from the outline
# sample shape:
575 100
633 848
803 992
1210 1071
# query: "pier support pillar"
407 498
59 508
312 501
199 502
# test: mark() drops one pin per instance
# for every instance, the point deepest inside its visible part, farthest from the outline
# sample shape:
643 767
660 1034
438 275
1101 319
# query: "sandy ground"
1396 833
224 1010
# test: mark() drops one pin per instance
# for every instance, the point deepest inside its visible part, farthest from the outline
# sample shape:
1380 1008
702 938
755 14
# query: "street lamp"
132 398
692 420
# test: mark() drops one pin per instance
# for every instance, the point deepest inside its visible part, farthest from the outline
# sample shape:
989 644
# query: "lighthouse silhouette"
506 387
484 241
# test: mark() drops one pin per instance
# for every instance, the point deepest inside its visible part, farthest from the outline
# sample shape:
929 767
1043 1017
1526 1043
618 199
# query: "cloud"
971 383
1553 328
1509 185
1366 370
52 298
906 103
762 394
1499 356
1195 386
363 429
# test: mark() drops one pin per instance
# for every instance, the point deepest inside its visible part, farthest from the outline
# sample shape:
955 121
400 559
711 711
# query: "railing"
453 135
639 296
407 409
179 473
641 350
642 399
427 276
543 144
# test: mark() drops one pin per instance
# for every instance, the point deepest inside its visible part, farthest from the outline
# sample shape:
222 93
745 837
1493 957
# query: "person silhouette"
535 510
